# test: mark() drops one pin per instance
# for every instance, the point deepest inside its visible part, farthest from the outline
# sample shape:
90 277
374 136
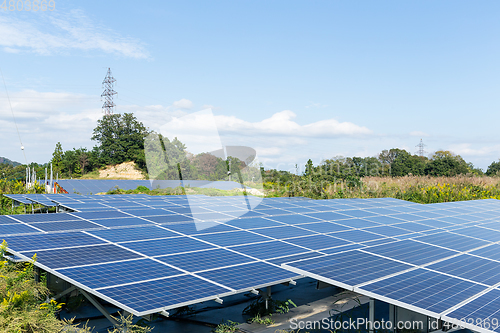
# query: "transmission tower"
109 106
421 150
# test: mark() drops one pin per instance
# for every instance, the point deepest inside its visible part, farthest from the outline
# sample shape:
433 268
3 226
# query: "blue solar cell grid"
382 246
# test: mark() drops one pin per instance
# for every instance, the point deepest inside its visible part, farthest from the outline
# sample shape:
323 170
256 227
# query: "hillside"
7 161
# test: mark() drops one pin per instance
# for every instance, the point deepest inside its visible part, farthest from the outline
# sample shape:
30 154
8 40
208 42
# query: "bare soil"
126 170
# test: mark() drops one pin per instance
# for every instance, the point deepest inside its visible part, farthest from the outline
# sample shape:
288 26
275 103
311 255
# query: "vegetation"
258 307
262 321
226 327
23 305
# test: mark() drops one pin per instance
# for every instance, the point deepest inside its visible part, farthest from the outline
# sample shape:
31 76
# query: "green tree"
493 169
120 138
445 163
57 157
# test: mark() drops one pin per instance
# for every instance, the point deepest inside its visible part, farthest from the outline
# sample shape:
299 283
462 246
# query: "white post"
51 179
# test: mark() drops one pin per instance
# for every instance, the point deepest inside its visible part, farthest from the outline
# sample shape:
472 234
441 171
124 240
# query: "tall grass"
421 189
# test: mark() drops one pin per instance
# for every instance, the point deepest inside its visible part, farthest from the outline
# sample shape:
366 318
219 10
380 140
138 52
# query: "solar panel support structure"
371 315
65 292
99 307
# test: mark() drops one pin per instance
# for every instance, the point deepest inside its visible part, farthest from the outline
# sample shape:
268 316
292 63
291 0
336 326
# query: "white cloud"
62 33
466 149
281 123
419 134
316 105
183 104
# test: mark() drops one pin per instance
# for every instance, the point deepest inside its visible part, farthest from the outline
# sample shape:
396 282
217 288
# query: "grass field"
421 189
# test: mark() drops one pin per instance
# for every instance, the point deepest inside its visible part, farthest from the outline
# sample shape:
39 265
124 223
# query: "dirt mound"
126 170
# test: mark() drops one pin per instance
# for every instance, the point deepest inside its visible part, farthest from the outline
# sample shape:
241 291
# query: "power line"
13 117
421 150
109 106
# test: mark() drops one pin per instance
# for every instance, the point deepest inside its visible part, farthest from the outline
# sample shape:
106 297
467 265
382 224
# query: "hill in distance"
7 161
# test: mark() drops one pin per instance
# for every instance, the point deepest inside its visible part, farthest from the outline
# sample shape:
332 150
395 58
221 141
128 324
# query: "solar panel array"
94 186
151 253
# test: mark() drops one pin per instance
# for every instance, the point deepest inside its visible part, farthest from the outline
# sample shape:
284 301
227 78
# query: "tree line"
122 137
389 163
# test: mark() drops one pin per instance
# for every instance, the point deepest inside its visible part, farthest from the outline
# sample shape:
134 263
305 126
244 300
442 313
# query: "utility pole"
109 106
421 150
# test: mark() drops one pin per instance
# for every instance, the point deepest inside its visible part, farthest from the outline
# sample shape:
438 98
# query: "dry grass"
421 189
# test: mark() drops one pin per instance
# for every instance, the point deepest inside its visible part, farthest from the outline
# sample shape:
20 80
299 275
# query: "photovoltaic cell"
411 252
120 222
7 220
389 231
192 228
358 223
479 232
111 274
248 275
425 289
158 294
471 268
204 260
294 219
30 218
133 234
160 247
79 256
233 238
329 216
452 241
253 223
49 241
284 232
318 242
324 227
67 225
485 307
269 250
351 268
356 235
16 228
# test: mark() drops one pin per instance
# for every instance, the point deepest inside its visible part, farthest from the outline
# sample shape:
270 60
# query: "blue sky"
292 79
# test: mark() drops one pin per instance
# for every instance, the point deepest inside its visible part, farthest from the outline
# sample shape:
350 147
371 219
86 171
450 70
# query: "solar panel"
452 241
269 250
469 267
160 247
133 234
318 242
49 241
248 276
425 290
233 238
163 294
411 252
79 256
353 243
357 235
324 227
111 274
486 308
349 268
16 228
204 260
